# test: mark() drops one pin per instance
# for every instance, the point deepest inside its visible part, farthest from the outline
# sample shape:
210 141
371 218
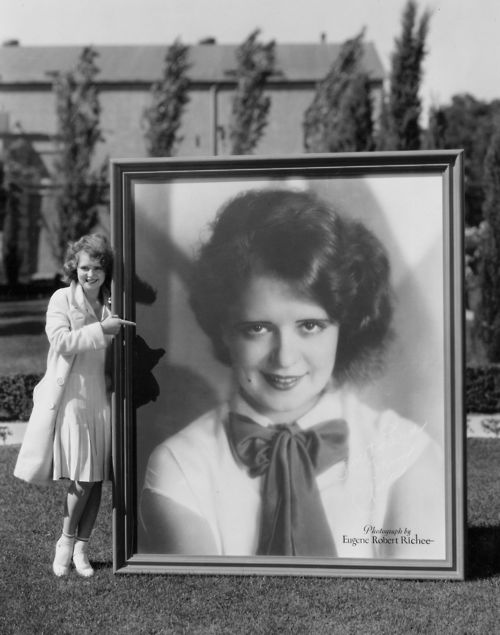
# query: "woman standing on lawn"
73 394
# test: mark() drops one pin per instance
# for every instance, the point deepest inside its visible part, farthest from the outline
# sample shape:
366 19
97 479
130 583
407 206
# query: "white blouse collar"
328 406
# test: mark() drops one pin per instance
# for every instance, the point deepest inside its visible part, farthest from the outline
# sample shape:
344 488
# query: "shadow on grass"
26 327
483 552
101 565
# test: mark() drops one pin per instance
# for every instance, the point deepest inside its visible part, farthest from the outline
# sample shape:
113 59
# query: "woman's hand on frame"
112 324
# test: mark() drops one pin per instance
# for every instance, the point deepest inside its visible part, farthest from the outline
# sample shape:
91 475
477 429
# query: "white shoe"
62 558
81 561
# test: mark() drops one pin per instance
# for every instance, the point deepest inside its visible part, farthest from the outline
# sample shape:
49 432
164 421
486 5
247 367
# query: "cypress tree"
80 188
169 99
339 118
20 175
401 128
250 107
490 266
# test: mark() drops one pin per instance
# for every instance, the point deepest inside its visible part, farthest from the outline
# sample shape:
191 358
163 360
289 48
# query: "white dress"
392 483
82 440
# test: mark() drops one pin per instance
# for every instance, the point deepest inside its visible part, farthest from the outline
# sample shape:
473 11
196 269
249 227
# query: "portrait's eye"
253 329
310 327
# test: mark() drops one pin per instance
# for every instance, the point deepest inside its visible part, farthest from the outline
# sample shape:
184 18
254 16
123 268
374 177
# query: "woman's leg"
74 506
76 502
85 526
89 515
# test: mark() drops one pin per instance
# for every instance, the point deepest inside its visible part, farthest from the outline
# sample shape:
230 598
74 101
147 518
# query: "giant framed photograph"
291 399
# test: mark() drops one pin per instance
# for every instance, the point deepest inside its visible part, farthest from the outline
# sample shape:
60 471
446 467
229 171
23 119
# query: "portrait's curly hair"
297 237
96 246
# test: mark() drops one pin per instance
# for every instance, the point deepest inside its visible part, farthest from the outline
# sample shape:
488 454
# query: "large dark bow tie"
293 519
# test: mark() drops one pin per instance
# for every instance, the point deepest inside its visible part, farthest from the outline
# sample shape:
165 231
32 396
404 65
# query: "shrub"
482 393
482 389
16 393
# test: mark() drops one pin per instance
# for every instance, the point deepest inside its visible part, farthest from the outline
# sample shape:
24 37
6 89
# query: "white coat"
67 337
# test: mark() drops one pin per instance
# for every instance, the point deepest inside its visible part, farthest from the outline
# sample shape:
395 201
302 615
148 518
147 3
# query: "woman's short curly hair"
96 246
299 238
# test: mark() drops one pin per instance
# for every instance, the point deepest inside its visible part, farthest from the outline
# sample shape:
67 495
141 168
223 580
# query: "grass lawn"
35 601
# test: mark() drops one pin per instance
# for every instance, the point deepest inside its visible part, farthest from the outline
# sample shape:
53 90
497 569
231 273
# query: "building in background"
27 107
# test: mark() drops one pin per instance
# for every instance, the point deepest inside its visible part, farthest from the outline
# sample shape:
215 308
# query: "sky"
463 43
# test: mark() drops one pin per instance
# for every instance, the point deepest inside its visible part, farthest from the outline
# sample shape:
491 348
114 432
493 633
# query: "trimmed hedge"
482 393
16 394
482 389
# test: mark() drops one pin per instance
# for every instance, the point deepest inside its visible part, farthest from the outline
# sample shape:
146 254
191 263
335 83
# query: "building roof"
210 62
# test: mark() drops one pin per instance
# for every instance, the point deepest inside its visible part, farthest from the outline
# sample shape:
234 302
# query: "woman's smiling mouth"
282 382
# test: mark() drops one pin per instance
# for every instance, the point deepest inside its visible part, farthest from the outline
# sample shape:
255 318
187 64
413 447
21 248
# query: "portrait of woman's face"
282 347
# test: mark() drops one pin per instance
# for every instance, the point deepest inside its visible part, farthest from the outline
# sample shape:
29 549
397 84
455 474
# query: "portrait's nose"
286 349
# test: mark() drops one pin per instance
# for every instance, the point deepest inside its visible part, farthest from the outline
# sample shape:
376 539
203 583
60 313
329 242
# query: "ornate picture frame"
166 375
